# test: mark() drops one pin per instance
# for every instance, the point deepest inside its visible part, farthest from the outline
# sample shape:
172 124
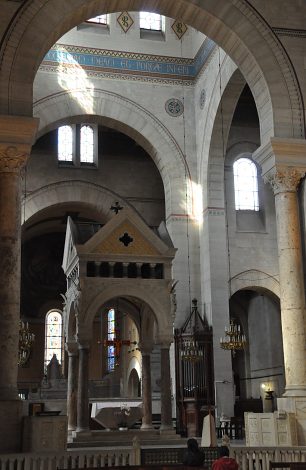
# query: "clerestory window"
246 185
78 145
53 337
65 144
150 21
100 19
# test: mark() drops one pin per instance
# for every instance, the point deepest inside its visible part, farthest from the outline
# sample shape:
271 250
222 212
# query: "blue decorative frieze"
117 62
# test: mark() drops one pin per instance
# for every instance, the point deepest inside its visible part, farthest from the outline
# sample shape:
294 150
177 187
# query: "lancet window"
246 185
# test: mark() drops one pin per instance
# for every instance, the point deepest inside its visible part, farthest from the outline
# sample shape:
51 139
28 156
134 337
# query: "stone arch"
254 279
98 197
124 115
233 24
154 298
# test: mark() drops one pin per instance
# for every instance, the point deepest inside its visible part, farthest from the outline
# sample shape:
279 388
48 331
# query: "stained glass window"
87 144
111 335
101 19
246 185
65 144
151 21
53 337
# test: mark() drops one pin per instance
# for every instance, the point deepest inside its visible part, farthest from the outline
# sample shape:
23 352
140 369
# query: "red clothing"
225 463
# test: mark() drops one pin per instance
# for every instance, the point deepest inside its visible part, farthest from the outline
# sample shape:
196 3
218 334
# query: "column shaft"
146 392
72 391
166 404
292 293
82 401
10 209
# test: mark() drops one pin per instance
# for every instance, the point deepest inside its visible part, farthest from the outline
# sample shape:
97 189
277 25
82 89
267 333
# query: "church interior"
152 222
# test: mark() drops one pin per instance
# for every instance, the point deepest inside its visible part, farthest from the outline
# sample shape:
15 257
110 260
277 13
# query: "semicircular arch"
118 112
233 24
254 279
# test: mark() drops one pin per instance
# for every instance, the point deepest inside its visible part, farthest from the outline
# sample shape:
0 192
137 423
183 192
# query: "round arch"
118 112
63 192
254 280
157 300
233 24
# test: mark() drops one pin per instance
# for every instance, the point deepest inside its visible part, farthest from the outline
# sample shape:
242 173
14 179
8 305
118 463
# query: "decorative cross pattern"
179 28
125 20
126 239
116 208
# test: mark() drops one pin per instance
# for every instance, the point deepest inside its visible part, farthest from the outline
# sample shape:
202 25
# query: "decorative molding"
296 33
128 65
174 107
125 21
202 98
179 28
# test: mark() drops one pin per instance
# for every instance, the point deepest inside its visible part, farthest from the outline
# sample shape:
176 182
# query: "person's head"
192 445
224 451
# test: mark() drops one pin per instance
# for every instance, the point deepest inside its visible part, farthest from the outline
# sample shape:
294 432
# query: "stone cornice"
280 155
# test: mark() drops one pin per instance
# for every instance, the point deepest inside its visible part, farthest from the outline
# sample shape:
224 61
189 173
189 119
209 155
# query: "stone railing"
109 457
258 458
249 458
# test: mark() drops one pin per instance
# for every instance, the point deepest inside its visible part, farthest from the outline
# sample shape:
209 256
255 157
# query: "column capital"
284 180
71 348
17 135
145 347
283 163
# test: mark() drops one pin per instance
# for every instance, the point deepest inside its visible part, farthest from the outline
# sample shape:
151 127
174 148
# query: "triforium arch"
254 48
126 116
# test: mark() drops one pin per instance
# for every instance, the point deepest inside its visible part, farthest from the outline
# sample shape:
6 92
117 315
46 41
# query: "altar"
116 415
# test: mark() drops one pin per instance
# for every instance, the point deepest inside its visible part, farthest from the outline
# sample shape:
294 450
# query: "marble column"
72 387
165 393
83 401
146 390
292 293
16 138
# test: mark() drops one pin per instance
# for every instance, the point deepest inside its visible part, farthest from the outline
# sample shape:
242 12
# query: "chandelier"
234 340
26 340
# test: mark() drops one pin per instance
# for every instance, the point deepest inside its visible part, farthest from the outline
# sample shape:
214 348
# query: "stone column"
72 386
146 389
83 401
283 165
165 393
16 138
292 294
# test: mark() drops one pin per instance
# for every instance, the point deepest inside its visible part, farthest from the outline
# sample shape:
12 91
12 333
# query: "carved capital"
284 180
12 158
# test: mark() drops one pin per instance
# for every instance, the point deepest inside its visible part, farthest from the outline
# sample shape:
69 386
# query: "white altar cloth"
113 415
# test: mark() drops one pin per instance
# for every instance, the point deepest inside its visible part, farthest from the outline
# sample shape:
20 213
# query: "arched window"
151 21
65 144
87 144
53 336
246 185
111 336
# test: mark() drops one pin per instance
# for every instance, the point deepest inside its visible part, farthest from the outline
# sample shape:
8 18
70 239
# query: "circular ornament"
202 98
174 107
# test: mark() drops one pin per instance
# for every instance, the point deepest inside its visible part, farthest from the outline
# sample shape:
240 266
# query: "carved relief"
12 159
285 180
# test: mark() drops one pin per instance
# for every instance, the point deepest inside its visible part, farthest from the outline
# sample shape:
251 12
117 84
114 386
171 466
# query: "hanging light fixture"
234 340
26 340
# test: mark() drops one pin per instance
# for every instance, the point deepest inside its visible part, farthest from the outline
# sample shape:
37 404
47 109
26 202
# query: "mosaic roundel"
202 98
174 107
